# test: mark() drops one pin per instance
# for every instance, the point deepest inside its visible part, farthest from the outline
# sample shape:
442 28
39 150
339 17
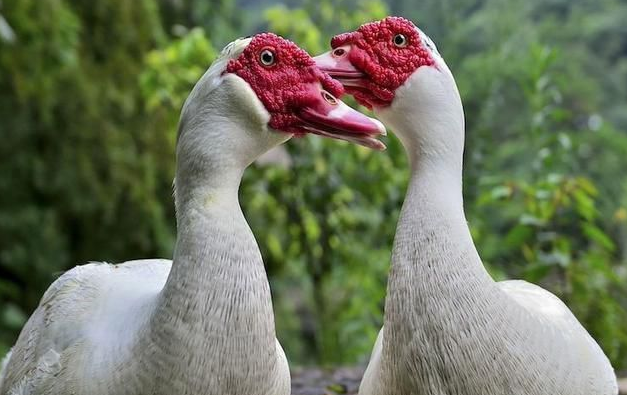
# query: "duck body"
71 344
58 343
449 328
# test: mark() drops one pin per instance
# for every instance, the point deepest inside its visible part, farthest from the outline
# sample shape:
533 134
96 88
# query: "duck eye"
339 52
400 40
267 58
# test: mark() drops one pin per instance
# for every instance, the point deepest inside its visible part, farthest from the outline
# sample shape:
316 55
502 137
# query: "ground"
315 381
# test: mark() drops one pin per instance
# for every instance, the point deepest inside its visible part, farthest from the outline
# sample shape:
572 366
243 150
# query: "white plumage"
203 325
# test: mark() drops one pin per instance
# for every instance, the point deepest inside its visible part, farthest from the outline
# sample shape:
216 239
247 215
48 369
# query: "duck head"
392 67
260 92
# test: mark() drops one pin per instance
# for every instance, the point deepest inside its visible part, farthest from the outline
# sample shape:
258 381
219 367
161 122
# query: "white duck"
202 324
449 328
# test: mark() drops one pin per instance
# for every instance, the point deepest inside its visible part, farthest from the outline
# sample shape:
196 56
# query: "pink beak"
337 65
330 117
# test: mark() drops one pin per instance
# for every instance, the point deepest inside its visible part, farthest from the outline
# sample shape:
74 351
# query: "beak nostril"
339 52
329 98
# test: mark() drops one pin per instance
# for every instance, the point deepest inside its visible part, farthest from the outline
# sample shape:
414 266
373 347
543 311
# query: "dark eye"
267 58
400 40
339 52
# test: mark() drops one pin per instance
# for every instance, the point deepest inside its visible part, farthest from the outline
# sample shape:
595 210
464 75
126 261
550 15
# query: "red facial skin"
286 86
385 65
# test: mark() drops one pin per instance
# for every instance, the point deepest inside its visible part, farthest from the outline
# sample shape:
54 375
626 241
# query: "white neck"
217 290
217 266
435 266
215 308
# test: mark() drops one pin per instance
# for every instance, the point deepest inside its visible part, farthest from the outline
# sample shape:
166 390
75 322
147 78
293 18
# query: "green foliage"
347 221
171 72
338 238
552 231
553 236
90 95
313 25
79 164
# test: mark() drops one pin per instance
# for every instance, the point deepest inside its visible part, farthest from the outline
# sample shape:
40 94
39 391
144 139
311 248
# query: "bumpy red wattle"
386 65
286 86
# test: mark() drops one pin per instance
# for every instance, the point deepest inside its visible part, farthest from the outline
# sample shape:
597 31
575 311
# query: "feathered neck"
435 265
216 305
